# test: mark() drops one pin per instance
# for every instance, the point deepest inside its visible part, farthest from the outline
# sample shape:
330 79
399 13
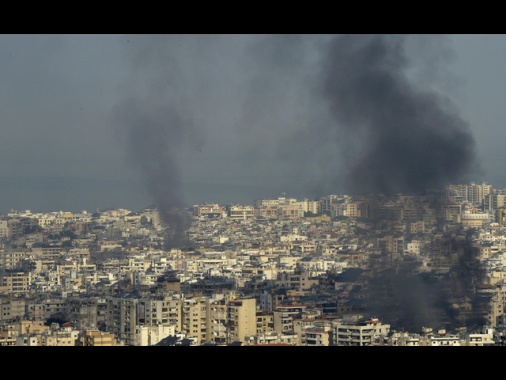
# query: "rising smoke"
155 120
394 136
343 110
337 113
409 298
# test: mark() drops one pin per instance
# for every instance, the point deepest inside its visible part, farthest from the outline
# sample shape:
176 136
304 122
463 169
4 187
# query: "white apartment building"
362 332
151 335
485 338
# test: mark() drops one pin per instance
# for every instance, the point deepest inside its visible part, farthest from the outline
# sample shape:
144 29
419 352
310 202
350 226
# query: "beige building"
310 206
501 215
469 220
194 319
494 201
4 229
27 327
12 259
217 321
297 280
16 282
12 308
7 338
95 338
270 212
284 208
241 212
273 339
316 336
291 211
265 321
241 316
46 250
474 193
213 210
284 317
54 336
151 335
361 332
353 209
280 201
162 310
121 319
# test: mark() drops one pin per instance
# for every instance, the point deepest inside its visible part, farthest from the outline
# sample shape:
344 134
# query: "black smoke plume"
394 136
410 299
155 120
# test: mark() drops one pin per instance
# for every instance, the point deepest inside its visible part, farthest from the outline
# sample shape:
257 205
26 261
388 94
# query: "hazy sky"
113 121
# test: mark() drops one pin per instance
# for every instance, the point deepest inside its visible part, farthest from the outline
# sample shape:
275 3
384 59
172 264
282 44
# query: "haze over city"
103 121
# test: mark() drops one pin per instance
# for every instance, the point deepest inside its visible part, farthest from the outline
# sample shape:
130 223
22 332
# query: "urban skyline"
399 270
248 126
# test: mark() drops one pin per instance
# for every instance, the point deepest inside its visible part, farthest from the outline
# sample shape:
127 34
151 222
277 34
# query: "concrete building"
328 203
217 321
317 336
359 332
12 308
16 282
4 229
160 310
83 312
284 316
241 212
211 211
485 338
151 335
265 321
121 319
95 338
474 193
241 317
298 280
493 201
194 318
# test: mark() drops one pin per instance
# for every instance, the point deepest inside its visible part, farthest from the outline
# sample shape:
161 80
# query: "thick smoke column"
410 299
153 133
394 136
155 121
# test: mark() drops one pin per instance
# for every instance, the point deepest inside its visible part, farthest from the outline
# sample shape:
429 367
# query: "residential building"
359 331
241 317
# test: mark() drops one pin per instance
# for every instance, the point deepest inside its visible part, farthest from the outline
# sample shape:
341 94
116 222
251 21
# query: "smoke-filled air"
155 121
368 127
395 136
315 115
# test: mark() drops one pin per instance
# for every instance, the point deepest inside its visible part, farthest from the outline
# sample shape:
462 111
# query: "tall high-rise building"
472 193
241 316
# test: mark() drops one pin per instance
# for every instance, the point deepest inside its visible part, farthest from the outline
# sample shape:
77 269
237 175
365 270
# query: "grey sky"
75 112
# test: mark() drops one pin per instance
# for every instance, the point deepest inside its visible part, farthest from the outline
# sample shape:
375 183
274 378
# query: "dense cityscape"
397 270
